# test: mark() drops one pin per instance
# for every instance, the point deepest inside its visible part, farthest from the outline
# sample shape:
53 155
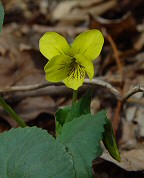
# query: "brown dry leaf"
20 70
128 138
63 8
139 121
26 11
22 64
10 5
10 40
17 65
117 28
136 7
139 44
95 105
132 160
67 31
89 3
74 11
30 108
4 125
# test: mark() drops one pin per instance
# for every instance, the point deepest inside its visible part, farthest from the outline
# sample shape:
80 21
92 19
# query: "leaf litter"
22 64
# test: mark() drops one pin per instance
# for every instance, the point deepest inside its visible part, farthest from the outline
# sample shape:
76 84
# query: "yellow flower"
70 63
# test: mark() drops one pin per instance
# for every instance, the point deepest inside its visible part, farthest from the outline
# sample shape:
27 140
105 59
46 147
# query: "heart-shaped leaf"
33 153
82 138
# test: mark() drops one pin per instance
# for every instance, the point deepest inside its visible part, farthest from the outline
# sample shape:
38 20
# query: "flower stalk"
11 112
74 98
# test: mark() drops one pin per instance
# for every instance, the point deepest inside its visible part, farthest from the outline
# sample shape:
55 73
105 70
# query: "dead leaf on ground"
75 12
132 160
30 108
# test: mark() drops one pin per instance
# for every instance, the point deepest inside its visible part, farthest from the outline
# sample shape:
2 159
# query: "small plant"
31 152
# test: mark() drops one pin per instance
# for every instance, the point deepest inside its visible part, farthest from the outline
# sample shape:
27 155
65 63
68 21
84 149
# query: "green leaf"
69 113
1 16
110 141
88 44
33 153
82 138
82 107
62 114
52 44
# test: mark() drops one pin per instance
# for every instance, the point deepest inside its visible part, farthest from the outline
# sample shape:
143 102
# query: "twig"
116 119
103 84
116 54
132 92
28 87
95 82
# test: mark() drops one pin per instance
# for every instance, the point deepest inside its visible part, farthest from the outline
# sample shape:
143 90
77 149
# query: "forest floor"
120 64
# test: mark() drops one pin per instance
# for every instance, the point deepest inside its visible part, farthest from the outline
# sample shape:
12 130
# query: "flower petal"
52 44
86 63
57 68
89 44
75 78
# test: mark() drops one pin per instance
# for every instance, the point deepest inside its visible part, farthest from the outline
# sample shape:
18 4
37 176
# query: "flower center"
76 70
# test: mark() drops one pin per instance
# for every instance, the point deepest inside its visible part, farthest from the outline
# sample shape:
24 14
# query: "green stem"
74 98
11 112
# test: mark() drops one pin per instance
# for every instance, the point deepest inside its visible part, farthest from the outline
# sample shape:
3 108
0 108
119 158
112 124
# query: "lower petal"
57 68
75 78
86 63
